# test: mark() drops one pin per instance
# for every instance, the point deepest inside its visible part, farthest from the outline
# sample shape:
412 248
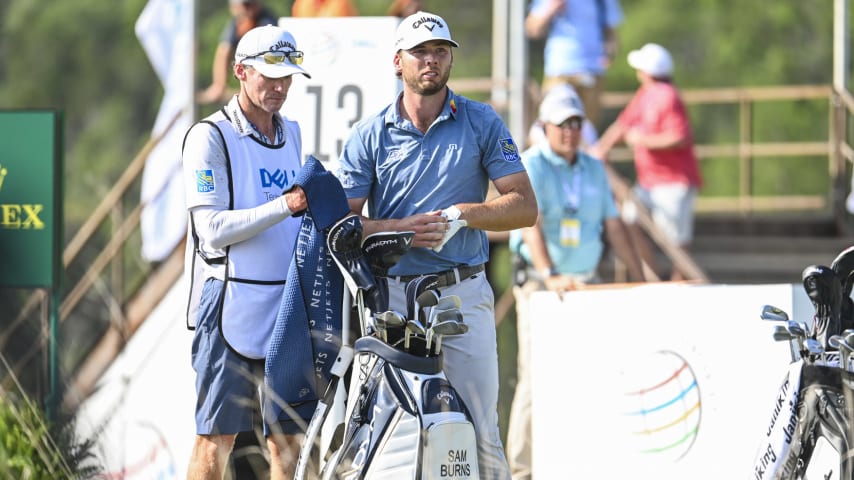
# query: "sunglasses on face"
273 57
572 123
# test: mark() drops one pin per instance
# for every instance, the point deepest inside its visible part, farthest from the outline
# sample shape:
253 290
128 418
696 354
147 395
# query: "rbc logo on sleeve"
508 149
205 181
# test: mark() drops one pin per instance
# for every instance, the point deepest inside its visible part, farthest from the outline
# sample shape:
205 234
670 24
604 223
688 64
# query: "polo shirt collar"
392 115
557 160
241 124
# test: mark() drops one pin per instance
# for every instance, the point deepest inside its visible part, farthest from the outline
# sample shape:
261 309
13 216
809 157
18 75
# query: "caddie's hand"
295 198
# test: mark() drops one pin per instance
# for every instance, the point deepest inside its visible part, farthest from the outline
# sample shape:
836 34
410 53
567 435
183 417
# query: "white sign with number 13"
350 60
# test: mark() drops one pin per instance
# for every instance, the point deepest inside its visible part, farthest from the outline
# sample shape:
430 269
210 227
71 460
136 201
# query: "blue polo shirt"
402 172
575 42
578 192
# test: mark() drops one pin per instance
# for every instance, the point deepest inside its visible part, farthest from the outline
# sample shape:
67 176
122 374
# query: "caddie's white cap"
269 39
421 27
560 103
653 59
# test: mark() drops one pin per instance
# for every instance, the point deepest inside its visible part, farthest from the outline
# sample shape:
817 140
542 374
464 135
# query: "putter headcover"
843 265
384 250
825 291
345 244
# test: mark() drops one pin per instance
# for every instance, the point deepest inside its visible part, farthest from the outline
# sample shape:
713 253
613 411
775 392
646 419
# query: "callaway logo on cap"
271 50
421 27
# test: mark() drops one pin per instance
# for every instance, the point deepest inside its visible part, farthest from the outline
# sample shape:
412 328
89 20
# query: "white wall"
143 408
658 381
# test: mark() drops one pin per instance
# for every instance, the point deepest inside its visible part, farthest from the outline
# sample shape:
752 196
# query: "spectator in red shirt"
655 124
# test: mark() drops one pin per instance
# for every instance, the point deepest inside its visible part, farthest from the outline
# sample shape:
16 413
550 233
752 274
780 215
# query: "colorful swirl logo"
661 407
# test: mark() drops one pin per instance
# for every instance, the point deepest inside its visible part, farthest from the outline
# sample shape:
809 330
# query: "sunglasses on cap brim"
274 57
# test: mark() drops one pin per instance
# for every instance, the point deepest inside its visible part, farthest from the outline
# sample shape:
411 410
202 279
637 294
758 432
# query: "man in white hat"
239 164
656 125
424 164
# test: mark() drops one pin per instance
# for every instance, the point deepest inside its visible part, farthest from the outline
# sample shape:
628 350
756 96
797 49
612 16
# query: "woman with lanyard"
562 251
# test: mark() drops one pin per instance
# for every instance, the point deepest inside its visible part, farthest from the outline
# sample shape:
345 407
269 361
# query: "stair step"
771 244
756 259
818 225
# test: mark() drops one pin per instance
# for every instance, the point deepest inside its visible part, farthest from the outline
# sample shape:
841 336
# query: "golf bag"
403 419
811 430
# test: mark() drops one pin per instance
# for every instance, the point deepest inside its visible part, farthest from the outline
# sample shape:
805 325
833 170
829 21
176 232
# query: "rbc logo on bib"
205 181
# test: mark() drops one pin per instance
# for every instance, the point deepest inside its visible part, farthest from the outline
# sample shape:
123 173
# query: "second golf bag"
403 418
811 429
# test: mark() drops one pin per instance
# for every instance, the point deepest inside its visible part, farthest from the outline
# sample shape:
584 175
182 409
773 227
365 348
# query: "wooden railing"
835 150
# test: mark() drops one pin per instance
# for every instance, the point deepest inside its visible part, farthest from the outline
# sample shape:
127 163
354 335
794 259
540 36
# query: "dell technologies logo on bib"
278 178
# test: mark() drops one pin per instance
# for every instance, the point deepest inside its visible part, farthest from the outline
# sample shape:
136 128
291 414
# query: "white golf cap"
653 59
272 40
421 27
560 103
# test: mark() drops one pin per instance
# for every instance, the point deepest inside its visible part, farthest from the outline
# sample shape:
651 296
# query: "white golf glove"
452 213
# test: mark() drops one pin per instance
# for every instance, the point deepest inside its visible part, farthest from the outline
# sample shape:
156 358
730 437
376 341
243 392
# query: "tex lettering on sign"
508 149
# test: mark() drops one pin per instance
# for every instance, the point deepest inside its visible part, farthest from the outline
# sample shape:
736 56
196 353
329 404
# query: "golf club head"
438 310
384 249
782 334
447 327
390 322
845 349
796 329
426 303
429 298
454 315
772 313
449 301
415 288
391 319
813 346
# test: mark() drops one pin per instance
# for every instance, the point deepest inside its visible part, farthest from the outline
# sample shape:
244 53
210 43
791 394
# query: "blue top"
402 172
229 33
575 42
577 193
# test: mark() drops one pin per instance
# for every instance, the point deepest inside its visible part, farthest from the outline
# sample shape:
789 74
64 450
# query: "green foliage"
30 449
721 43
